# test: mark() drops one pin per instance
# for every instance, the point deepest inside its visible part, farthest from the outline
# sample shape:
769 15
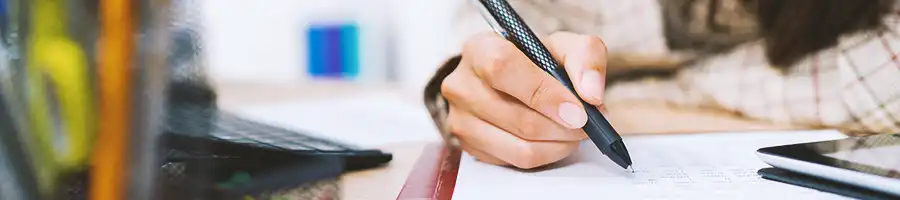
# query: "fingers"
499 64
481 155
465 91
504 146
506 111
584 58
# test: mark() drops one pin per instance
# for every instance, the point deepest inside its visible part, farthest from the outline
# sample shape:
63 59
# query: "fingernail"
592 83
572 114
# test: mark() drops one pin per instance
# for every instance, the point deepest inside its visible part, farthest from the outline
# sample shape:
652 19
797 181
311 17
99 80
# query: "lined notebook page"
696 166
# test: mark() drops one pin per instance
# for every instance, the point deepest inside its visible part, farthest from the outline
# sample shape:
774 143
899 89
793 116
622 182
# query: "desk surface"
386 182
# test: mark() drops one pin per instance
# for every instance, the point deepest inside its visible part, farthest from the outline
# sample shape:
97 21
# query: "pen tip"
620 154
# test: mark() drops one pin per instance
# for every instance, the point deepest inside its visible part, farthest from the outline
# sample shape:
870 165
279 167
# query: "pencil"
116 42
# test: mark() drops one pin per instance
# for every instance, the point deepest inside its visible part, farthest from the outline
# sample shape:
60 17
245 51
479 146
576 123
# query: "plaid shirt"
853 86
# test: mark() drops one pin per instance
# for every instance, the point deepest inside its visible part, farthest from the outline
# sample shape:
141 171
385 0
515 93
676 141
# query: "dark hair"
793 29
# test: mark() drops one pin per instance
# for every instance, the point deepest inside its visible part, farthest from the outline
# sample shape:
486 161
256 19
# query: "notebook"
693 166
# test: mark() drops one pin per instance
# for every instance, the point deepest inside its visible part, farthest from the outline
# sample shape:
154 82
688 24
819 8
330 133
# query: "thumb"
584 58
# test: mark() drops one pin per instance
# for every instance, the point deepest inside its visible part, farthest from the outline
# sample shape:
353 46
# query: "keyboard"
208 131
206 152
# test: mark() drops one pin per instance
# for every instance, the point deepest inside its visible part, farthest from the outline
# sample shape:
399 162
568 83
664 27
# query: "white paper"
696 166
367 120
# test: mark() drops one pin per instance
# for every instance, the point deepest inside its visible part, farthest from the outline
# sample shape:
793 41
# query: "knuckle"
491 55
526 156
526 125
557 35
593 44
454 123
539 93
451 86
560 35
496 64
534 127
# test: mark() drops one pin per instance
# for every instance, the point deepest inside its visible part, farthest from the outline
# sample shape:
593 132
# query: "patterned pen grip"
520 34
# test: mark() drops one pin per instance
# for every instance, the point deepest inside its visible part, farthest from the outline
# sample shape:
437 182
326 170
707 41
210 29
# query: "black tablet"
871 161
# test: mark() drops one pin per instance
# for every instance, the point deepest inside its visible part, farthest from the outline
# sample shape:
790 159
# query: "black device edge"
824 185
359 160
804 152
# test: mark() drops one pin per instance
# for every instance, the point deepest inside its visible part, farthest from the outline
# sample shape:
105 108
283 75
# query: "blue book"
333 51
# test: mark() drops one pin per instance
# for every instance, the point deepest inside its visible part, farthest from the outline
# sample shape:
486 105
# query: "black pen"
506 22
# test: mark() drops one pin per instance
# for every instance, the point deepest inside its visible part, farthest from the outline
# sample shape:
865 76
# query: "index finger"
584 58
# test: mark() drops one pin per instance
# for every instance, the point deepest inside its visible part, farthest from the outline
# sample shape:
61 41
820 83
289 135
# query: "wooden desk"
386 182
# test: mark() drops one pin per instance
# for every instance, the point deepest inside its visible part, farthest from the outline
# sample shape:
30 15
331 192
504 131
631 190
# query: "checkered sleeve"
853 86
633 26
468 21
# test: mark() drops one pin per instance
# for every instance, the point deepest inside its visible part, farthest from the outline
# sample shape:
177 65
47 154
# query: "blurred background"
268 42
294 80
350 71
356 67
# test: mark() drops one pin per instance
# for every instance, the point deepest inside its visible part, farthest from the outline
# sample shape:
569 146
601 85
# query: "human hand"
506 111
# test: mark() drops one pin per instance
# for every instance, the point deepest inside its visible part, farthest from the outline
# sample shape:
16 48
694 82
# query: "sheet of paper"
696 166
368 120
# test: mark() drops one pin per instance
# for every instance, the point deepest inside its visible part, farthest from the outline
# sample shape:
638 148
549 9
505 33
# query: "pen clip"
490 19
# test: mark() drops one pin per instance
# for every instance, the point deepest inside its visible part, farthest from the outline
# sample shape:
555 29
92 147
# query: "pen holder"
109 81
79 73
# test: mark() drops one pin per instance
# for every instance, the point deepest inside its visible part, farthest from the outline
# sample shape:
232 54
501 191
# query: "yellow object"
59 93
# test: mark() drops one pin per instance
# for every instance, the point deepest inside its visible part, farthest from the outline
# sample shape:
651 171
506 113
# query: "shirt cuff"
435 102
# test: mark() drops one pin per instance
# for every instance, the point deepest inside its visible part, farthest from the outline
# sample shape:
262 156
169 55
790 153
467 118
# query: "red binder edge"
434 174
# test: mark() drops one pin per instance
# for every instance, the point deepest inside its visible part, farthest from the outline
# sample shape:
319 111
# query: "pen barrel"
598 128
517 32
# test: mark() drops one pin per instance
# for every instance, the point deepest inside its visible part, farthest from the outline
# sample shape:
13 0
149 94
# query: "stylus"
506 22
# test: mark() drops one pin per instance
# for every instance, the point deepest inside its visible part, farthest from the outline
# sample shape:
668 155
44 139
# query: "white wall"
261 40
424 29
